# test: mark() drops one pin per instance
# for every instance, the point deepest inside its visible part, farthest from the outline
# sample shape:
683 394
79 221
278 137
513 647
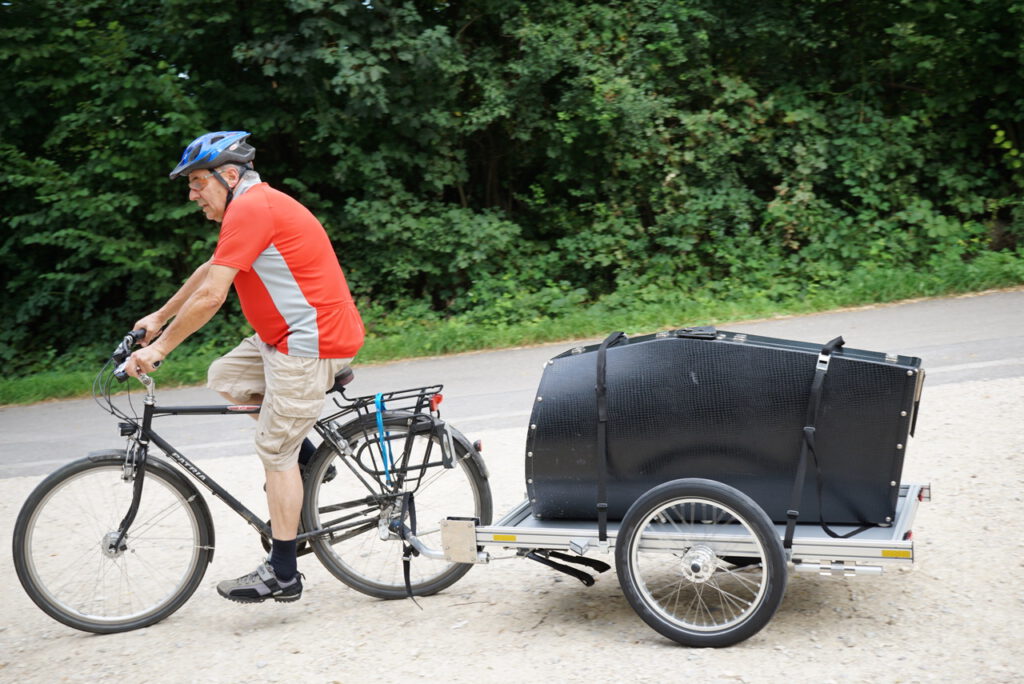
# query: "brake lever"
124 350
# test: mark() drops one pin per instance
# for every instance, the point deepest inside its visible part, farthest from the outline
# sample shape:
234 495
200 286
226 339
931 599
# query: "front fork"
135 472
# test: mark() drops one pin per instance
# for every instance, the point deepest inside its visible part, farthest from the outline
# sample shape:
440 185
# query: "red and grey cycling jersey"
292 289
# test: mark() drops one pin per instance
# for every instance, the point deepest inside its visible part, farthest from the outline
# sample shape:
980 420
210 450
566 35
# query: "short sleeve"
245 232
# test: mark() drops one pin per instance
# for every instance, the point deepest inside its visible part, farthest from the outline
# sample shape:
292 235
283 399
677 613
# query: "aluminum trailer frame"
813 549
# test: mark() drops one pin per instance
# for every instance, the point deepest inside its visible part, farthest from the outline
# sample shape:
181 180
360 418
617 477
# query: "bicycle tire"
700 562
372 565
66 524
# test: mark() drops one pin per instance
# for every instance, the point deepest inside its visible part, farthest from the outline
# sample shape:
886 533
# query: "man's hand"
144 360
152 325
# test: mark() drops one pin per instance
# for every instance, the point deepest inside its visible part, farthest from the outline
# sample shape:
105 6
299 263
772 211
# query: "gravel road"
954 617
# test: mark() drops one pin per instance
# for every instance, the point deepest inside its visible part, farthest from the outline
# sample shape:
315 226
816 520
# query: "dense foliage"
508 161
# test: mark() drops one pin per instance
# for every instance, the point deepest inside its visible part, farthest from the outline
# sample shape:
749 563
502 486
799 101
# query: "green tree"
508 161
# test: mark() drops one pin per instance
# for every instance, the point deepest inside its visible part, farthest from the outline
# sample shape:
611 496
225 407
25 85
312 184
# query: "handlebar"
124 350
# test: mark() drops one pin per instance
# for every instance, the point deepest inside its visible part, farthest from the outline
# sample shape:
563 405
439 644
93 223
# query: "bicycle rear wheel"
367 555
62 542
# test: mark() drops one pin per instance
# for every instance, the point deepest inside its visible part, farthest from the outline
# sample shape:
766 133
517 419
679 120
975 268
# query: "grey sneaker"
260 585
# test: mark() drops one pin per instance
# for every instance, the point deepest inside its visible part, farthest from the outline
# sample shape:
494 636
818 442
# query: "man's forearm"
196 312
207 297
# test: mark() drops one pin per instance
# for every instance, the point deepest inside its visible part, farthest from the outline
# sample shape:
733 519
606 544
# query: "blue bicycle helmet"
215 149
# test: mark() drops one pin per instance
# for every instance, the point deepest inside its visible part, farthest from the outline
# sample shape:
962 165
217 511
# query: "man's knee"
238 375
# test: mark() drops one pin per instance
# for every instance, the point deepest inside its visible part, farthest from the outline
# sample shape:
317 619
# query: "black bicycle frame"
146 434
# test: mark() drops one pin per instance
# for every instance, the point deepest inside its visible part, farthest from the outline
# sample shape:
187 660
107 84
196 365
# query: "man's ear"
230 174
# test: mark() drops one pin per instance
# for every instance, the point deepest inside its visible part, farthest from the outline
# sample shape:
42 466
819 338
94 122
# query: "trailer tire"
700 563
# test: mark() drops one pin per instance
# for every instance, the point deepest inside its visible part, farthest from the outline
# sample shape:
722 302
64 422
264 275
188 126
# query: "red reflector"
908 535
435 400
479 446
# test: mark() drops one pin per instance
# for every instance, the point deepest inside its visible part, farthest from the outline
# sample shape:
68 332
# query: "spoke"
678 594
694 604
741 578
704 604
71 569
674 582
160 571
729 596
155 517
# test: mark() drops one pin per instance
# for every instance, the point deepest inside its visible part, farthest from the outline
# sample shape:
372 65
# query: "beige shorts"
291 389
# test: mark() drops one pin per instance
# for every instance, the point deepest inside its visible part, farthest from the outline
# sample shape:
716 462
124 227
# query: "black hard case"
731 408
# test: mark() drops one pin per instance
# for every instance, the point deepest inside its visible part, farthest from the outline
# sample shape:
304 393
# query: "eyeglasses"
199 182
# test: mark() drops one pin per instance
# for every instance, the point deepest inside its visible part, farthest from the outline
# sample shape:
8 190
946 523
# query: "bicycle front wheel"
364 551
65 531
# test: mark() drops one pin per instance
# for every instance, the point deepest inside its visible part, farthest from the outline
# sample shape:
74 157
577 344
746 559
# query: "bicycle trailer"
726 406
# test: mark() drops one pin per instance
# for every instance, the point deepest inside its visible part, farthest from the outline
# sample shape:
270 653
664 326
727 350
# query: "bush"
504 164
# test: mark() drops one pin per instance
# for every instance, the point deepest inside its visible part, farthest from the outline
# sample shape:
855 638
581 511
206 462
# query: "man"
295 296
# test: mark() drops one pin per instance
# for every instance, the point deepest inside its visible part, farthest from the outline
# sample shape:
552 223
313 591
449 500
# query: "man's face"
209 193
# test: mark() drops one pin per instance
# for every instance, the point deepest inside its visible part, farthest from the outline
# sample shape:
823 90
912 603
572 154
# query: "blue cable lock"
383 443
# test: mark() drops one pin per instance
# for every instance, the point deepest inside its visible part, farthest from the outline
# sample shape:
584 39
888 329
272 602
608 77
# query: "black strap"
592 563
542 558
821 518
602 434
807 446
408 550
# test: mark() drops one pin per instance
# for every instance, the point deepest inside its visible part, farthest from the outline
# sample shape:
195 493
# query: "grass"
666 309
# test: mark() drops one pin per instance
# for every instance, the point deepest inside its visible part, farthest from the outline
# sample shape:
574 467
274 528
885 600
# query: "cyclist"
294 294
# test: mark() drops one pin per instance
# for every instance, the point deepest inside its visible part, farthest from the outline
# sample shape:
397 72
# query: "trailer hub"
699 563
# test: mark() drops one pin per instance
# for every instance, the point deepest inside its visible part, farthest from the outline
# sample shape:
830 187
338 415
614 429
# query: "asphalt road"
960 339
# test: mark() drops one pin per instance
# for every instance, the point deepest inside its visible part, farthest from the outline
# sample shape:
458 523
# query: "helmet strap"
231 190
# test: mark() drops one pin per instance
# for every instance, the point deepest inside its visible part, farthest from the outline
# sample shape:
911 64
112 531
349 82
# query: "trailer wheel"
700 562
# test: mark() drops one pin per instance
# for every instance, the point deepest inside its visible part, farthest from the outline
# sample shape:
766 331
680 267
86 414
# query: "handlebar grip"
122 375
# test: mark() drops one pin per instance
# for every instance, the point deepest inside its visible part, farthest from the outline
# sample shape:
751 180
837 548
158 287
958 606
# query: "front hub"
108 544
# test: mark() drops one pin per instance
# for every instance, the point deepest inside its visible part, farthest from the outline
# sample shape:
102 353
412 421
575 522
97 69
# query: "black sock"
283 559
306 451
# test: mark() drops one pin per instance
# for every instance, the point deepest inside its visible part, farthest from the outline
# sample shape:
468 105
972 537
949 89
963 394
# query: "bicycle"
121 539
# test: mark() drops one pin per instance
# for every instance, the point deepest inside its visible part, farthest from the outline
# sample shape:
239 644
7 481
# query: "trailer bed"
813 549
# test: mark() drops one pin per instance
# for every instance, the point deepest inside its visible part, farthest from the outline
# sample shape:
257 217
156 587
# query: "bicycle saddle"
344 376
